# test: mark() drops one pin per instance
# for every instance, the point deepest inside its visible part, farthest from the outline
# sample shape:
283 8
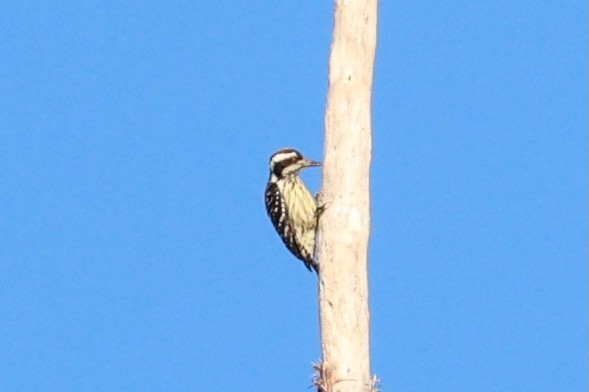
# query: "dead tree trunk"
342 245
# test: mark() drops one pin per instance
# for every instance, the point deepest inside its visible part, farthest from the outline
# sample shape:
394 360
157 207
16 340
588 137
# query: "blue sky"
135 253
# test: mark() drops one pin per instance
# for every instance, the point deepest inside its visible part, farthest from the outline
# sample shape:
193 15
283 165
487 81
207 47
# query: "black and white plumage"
290 206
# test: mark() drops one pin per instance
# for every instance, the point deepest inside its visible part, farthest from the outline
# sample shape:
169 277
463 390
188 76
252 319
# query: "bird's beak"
309 163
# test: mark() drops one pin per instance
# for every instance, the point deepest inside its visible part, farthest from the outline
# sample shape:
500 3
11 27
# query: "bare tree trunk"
342 244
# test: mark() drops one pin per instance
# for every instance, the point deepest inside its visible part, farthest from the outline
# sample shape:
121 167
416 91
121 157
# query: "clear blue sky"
135 252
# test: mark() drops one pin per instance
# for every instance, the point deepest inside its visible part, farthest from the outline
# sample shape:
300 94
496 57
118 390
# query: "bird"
291 207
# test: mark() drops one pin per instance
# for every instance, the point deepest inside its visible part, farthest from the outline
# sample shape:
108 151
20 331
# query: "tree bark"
344 226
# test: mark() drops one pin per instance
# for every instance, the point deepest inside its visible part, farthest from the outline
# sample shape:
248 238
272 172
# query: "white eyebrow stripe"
282 156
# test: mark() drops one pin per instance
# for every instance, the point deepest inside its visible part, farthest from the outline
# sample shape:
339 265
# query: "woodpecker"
290 206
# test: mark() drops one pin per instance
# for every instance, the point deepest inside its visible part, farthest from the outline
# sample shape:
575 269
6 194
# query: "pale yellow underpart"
301 211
